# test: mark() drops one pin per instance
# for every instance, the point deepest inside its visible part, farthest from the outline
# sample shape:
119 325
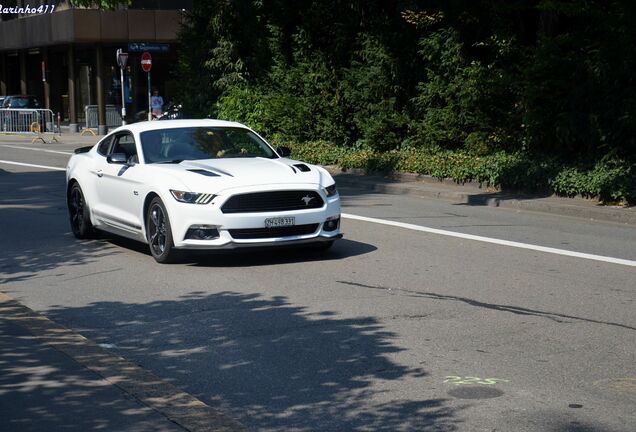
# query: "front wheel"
79 213
159 233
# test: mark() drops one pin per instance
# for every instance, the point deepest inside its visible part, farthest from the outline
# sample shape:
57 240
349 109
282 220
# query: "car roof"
172 124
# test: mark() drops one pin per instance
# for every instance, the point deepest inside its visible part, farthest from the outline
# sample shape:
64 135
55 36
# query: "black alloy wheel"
79 214
159 233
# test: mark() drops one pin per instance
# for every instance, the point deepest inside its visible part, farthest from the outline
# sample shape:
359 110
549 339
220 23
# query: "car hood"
218 175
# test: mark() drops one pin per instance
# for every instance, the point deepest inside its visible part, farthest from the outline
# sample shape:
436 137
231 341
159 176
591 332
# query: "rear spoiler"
83 149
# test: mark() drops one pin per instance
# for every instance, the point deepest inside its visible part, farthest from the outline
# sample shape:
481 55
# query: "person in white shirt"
156 103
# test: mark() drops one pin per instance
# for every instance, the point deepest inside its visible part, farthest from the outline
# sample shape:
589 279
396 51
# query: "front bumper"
286 242
184 216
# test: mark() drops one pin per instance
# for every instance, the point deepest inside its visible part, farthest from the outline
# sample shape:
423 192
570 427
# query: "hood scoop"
302 167
205 169
204 172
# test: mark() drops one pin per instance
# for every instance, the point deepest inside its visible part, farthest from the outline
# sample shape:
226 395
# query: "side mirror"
283 151
117 158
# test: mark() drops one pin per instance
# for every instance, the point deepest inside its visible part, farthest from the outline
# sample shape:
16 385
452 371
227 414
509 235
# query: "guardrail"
27 121
113 116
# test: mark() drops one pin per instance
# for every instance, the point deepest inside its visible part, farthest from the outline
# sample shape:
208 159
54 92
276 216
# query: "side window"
103 146
125 144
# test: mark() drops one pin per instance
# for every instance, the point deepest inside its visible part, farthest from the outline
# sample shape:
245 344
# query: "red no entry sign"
146 62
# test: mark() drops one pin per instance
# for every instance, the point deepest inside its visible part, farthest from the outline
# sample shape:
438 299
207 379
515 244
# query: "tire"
79 214
159 233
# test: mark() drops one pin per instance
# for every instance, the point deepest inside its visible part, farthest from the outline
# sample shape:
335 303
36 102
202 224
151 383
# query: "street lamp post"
122 59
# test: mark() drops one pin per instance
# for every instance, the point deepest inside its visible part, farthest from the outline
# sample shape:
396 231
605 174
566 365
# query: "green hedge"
610 181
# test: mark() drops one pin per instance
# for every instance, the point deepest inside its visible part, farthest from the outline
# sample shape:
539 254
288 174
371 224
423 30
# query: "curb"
177 406
472 194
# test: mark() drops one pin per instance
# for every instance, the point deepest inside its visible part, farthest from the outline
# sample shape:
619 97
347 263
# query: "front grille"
262 233
273 201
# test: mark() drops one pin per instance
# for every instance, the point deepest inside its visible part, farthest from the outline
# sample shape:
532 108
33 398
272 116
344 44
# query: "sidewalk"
52 379
64 138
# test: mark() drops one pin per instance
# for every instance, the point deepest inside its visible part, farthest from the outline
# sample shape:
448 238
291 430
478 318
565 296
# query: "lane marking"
551 250
36 149
176 405
32 165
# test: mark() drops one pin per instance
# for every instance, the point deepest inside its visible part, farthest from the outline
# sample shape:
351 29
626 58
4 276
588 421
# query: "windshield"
23 102
192 143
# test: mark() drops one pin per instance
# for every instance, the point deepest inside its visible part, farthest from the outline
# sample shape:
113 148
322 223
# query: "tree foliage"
541 77
101 4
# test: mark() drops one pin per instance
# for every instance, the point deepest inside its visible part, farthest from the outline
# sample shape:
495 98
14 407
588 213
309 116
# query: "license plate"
280 222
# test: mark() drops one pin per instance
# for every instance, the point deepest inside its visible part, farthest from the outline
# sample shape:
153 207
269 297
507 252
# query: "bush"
609 181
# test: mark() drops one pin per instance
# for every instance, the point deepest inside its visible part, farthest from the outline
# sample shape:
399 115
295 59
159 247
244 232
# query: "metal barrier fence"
26 121
113 116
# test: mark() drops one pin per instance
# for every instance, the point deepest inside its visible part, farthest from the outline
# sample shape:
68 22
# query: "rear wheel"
79 213
159 233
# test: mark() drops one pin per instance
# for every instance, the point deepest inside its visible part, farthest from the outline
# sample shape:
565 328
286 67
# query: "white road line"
32 165
492 240
36 149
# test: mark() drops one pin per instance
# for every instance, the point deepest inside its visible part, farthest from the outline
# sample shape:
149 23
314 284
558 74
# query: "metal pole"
45 81
23 74
149 99
72 112
102 127
123 101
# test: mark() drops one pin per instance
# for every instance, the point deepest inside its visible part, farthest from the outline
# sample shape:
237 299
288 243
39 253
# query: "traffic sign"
122 58
146 62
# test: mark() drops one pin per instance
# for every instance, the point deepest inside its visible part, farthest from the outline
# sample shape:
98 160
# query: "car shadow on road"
272 364
343 248
252 257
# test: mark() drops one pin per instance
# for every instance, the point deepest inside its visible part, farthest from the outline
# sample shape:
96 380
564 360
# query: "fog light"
202 232
331 224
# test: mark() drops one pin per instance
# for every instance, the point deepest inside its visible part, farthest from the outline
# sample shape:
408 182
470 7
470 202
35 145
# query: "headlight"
192 197
331 190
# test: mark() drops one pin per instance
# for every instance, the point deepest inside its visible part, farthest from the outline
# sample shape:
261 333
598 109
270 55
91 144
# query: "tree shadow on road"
271 364
43 390
36 234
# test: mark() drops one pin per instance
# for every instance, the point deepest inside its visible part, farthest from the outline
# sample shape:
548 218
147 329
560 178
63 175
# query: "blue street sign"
148 47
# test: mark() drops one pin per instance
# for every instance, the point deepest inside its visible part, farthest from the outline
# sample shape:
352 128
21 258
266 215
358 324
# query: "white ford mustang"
199 184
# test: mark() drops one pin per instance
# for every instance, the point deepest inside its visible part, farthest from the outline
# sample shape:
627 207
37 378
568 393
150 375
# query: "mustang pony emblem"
306 199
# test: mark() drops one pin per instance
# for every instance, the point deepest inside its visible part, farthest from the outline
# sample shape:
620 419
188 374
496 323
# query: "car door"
119 186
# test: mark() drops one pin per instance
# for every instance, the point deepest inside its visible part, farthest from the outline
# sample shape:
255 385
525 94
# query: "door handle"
100 173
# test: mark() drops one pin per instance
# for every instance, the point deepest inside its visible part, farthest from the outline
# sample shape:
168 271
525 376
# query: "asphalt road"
393 330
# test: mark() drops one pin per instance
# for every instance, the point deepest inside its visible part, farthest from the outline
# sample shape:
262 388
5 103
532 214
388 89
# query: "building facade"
67 57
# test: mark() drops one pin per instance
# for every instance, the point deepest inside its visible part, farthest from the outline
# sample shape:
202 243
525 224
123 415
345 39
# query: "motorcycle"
172 112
